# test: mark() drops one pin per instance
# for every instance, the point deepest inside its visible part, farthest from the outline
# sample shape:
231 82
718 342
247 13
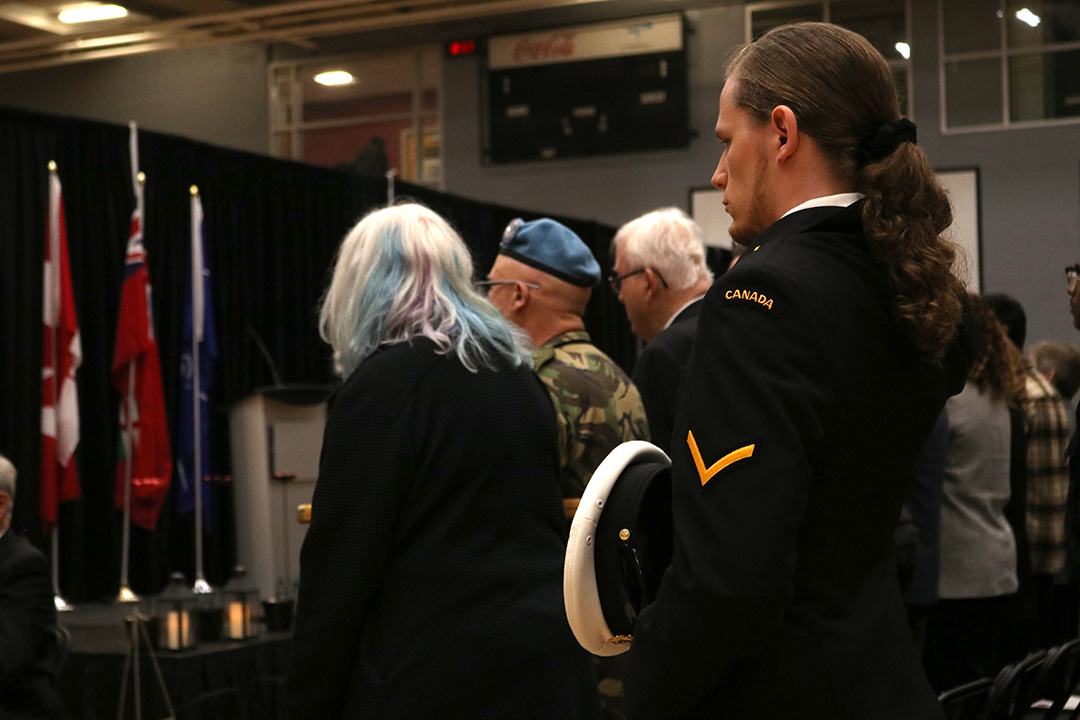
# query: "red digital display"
461 47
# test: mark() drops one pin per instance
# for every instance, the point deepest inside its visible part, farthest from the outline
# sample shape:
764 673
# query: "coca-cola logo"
555 46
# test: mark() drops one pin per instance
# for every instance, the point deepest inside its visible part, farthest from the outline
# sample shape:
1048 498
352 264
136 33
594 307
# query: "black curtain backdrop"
271 230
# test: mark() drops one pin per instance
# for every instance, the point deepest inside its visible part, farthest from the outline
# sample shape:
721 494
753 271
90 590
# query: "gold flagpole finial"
141 177
194 189
52 166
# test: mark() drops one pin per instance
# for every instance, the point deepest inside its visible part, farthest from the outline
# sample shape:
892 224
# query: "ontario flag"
136 374
200 342
62 355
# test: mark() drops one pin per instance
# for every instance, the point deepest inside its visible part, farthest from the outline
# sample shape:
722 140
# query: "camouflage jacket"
597 405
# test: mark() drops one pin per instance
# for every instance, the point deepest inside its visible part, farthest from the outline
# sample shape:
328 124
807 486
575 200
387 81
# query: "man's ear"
653 284
521 297
786 130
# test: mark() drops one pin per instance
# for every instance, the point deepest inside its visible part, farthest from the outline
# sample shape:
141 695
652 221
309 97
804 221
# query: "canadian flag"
62 355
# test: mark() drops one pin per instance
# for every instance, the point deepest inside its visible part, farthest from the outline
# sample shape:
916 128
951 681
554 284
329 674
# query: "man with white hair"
661 277
27 619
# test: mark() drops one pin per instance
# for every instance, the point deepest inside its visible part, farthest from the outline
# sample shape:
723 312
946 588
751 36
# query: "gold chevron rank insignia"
732 457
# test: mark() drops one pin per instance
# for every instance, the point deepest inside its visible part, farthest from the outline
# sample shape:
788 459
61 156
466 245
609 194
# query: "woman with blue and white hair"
431 575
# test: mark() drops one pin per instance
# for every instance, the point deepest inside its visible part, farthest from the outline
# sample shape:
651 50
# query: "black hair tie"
885 140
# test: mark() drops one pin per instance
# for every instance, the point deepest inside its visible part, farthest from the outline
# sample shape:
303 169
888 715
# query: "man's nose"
719 178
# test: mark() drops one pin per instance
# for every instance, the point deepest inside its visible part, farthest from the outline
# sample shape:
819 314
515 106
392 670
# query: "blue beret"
553 248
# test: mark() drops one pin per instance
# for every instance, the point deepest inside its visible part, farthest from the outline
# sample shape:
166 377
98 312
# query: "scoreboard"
589 90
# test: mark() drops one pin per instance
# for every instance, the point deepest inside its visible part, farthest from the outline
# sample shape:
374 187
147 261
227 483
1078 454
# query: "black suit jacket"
27 632
431 574
923 501
659 370
808 412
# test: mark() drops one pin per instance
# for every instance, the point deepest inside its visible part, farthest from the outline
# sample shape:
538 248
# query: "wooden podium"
276 433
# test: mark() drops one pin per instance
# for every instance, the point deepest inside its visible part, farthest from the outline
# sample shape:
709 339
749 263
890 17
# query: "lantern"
239 603
175 615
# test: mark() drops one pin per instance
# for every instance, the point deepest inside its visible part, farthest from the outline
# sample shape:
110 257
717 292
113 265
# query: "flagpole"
126 595
201 586
54 254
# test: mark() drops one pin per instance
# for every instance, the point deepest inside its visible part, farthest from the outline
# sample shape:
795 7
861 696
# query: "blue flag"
198 330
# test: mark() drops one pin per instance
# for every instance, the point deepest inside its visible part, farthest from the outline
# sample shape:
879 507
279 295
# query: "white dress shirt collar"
679 311
840 200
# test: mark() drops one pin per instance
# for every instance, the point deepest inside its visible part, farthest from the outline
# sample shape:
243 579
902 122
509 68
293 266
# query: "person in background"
1030 624
982 513
1059 363
821 363
661 277
1067 604
541 281
28 637
431 574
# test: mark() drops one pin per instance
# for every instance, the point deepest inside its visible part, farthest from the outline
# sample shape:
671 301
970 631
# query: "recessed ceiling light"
334 77
1025 15
91 12
904 49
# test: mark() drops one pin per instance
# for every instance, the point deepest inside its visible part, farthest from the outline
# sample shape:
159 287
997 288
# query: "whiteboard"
963 188
962 185
707 209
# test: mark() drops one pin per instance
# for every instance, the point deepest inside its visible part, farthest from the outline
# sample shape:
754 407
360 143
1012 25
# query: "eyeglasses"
1072 274
483 286
616 280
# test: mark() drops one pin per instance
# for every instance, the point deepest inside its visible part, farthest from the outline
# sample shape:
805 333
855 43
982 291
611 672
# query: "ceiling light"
91 12
1025 15
334 77
904 49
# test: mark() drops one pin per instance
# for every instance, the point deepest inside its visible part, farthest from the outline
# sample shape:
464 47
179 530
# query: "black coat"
808 412
923 501
431 574
659 370
28 640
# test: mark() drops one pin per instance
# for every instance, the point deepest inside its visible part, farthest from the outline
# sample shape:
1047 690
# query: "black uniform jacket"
801 421
659 370
431 574
27 632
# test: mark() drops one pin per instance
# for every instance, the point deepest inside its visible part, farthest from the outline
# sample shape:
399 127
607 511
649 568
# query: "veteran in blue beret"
541 281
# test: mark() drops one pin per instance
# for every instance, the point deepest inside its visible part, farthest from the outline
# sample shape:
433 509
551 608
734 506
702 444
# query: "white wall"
215 94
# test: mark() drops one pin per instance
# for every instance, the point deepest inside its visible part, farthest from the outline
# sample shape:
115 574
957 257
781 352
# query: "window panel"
973 92
1044 86
1036 56
1039 22
971 25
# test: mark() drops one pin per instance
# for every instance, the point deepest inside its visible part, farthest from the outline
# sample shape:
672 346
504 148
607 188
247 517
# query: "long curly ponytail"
904 230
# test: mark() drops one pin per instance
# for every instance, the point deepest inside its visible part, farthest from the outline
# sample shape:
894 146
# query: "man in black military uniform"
822 361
